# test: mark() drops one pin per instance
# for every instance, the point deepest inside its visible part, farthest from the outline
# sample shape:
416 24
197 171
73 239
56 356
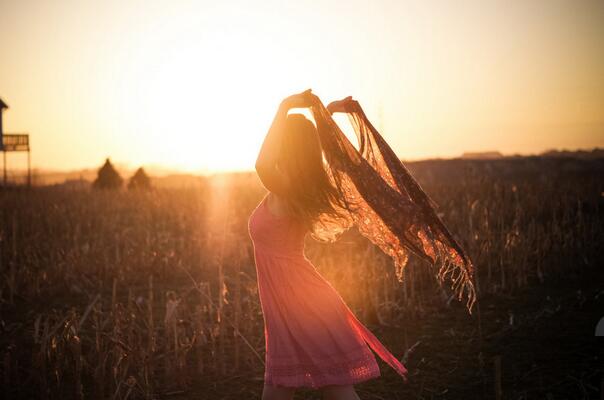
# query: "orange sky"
193 85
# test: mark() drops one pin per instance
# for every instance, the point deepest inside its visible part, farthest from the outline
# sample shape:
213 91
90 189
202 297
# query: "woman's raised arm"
266 163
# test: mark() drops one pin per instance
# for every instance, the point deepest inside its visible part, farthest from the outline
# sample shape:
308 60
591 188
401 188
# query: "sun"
206 106
202 100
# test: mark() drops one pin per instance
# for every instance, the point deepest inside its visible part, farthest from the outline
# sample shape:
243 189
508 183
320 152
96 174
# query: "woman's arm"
266 163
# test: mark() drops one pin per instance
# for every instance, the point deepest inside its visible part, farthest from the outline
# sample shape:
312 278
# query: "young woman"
312 338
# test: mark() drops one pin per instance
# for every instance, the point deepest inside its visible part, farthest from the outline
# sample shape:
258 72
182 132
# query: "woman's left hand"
343 105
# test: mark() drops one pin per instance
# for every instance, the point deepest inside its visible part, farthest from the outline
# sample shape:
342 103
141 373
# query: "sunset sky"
193 85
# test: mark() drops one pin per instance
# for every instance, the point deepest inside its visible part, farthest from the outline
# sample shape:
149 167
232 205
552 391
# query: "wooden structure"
13 142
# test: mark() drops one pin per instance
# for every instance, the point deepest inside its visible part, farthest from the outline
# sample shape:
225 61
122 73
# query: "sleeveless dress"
312 338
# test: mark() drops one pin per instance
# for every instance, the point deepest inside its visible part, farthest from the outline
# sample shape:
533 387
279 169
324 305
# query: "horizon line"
167 170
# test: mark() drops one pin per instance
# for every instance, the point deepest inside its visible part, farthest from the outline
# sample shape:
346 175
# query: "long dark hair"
312 192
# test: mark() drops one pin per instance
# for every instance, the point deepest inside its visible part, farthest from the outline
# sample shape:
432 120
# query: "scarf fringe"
461 275
394 212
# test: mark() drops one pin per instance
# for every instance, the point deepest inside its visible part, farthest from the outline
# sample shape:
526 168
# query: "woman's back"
273 233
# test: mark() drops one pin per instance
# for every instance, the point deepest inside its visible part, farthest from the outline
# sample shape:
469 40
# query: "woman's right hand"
300 100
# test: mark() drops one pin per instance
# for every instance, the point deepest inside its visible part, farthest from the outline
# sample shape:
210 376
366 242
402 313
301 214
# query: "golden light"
197 104
194 85
202 100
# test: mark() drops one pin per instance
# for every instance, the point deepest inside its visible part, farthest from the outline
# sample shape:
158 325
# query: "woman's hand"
300 100
343 105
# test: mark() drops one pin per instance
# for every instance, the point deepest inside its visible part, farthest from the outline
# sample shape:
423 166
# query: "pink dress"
312 338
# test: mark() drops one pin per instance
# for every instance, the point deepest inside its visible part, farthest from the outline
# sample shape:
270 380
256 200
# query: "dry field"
153 295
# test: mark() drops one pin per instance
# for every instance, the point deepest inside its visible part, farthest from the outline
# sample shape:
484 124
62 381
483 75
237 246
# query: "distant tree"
108 177
140 180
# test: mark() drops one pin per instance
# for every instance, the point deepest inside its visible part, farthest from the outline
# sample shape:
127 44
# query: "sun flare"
193 86
199 104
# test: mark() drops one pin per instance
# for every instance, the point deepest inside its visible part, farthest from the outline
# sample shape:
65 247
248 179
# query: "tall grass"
131 295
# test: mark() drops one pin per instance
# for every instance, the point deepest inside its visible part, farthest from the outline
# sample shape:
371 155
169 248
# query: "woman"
312 337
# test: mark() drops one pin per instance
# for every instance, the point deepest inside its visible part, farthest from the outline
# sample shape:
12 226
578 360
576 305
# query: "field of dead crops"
134 295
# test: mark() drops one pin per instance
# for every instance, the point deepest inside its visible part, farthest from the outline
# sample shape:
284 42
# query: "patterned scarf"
389 206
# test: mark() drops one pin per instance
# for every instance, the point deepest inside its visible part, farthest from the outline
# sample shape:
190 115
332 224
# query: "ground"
544 336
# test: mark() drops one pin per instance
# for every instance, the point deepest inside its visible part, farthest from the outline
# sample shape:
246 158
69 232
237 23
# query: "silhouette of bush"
140 180
107 177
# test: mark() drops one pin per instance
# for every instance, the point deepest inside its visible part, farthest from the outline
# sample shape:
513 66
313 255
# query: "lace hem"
359 366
